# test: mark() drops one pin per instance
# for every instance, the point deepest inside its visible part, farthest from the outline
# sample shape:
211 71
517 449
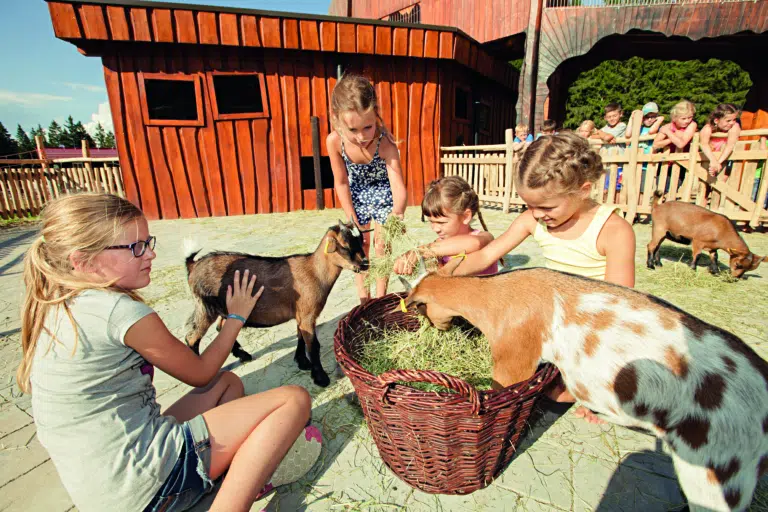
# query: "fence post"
754 221
630 174
90 177
47 188
509 138
693 161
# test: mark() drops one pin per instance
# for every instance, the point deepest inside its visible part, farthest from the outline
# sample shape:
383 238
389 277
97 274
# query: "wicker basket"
448 443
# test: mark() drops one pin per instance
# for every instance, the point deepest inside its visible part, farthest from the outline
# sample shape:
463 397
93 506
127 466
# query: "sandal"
297 462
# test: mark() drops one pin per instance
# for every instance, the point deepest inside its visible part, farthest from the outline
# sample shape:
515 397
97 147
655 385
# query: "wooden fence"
27 185
681 176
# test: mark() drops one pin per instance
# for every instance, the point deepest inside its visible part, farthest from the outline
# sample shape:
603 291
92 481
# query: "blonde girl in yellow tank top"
577 235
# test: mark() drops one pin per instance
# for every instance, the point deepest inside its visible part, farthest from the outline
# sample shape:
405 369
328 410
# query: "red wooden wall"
231 167
483 20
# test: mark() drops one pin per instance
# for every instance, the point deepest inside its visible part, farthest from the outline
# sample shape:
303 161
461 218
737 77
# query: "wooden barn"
212 106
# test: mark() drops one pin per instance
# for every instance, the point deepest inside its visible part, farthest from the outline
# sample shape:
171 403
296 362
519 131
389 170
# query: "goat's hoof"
320 378
244 357
303 363
195 348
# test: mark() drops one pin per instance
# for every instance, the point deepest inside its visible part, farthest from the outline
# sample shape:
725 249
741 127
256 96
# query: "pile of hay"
397 241
458 352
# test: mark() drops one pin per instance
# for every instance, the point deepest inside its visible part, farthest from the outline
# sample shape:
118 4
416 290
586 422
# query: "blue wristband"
236 317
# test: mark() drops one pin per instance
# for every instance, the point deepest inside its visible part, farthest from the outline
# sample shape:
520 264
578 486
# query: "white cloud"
103 116
85 87
28 98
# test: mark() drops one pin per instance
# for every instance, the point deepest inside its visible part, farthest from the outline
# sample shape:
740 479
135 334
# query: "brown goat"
687 223
295 287
636 360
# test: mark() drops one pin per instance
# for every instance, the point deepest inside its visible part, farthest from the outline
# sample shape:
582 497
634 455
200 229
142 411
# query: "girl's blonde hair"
564 160
681 109
86 223
451 194
587 125
354 93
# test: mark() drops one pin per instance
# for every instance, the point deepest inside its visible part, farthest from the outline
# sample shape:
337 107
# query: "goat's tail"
658 198
191 248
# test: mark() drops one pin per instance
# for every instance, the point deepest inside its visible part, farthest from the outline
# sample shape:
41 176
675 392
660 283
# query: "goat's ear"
330 245
342 227
406 284
450 267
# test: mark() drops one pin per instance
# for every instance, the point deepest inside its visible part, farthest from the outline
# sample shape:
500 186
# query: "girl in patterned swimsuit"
366 166
449 205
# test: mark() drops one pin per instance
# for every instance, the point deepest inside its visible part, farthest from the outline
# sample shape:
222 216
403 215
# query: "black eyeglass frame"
149 242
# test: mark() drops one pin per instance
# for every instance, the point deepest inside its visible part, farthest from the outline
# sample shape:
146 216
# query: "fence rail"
27 185
740 194
556 4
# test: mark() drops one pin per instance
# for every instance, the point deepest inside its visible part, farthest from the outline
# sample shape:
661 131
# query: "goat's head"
743 261
423 294
343 245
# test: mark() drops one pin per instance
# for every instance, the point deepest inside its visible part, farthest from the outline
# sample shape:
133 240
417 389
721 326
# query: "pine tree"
109 141
23 141
8 146
54 135
38 131
101 136
80 134
69 137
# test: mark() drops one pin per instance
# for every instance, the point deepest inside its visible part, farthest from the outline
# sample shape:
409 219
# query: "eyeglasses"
137 248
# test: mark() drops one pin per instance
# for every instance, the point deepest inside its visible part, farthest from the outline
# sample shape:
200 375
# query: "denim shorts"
189 480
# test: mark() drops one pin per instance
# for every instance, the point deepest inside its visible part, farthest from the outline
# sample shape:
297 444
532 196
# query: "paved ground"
564 463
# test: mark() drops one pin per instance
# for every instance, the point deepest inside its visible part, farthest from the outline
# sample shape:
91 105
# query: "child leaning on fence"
90 345
366 166
576 235
450 205
724 119
650 124
677 134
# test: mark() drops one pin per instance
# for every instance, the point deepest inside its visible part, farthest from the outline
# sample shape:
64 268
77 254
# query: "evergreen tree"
636 81
81 134
101 136
38 131
54 134
23 142
109 141
8 146
68 137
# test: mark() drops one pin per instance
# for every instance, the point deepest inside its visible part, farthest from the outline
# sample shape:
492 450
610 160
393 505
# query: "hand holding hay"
396 240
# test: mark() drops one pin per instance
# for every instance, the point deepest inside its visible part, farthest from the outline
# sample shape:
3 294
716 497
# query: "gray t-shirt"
617 131
95 410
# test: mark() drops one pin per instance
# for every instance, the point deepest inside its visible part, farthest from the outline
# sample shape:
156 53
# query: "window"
461 103
169 100
307 164
238 95
483 117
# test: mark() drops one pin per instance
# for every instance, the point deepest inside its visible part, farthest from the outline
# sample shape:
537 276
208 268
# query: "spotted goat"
634 359
295 288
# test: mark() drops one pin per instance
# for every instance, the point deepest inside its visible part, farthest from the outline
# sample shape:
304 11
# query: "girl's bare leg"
225 387
380 250
363 293
249 437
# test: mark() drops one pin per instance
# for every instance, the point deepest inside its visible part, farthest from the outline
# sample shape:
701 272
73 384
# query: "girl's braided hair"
564 160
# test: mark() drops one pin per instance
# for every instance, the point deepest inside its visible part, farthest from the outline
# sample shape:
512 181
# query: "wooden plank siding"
224 166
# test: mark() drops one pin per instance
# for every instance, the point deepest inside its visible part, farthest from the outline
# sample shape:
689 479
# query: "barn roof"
92 24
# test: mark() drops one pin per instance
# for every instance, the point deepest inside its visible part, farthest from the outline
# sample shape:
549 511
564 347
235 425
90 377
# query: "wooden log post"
320 197
693 161
630 174
47 187
89 174
509 138
754 220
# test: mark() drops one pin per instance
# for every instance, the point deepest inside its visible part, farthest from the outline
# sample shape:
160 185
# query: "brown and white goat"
636 360
295 287
687 223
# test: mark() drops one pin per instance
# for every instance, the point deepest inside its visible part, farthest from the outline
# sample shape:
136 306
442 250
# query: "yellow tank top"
577 256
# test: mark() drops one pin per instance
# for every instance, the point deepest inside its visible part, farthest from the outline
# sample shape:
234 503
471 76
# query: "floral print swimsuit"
369 187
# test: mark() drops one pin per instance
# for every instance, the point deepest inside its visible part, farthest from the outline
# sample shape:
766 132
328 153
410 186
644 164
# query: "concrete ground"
563 464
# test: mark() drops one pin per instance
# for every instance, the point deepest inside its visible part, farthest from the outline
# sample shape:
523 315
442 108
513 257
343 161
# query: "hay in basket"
450 442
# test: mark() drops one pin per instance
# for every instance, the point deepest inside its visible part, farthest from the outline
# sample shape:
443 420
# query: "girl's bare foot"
589 416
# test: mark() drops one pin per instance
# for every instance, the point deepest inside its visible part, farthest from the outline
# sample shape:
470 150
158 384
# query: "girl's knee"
234 382
300 397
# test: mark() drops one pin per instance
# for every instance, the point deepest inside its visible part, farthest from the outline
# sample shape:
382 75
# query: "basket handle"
386 380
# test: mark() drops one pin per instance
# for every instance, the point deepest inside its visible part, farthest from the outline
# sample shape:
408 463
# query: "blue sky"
44 78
